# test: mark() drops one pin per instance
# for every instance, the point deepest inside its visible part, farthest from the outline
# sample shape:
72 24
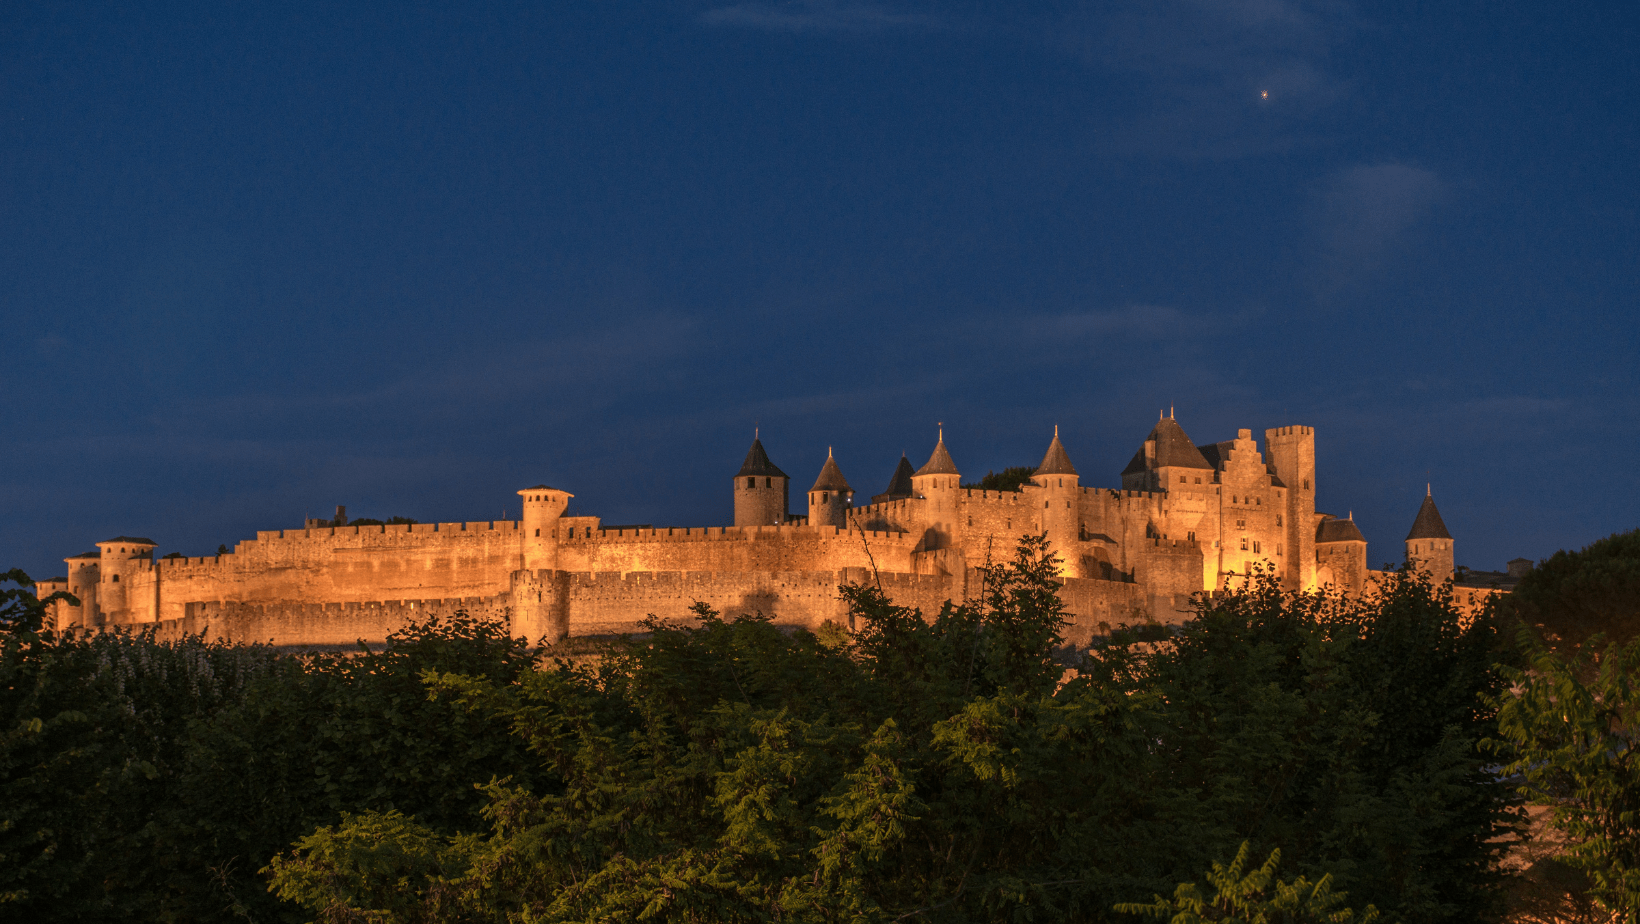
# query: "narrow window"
1244 545
1306 484
1258 501
751 483
1278 548
768 482
538 532
1278 519
1190 536
1255 545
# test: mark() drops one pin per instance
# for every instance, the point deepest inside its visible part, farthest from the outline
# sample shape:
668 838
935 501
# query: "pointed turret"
831 477
938 484
940 462
1061 506
1429 545
899 486
761 489
1428 524
829 499
1057 461
757 463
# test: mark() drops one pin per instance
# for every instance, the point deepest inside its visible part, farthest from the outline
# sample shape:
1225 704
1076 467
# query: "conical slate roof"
900 484
1056 462
831 477
757 462
1428 525
1332 529
940 462
1173 448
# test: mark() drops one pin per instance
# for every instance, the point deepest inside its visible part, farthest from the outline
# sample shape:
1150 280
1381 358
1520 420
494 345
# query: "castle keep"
1186 519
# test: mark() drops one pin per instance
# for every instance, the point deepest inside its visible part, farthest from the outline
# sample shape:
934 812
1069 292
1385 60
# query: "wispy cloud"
1135 322
1362 214
817 16
1214 78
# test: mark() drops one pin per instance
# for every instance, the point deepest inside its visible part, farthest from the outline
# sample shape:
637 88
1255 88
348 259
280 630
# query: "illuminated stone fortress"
1186 519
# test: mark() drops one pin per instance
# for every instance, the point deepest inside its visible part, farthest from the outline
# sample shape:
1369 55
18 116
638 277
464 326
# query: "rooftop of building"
940 462
1428 524
1332 529
831 477
757 462
1057 461
1173 449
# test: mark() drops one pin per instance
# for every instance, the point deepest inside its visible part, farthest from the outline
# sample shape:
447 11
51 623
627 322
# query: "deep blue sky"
259 260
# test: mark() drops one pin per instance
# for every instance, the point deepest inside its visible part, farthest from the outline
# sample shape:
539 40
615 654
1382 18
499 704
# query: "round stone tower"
1061 516
831 497
761 490
538 610
83 578
938 484
539 525
1429 545
118 560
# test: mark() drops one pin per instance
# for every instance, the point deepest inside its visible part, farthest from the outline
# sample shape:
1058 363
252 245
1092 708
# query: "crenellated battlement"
724 534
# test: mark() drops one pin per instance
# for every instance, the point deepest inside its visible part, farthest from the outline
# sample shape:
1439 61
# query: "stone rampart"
318 624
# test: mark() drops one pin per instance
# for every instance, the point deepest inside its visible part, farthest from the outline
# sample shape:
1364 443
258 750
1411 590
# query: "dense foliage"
945 768
1572 596
152 781
1570 728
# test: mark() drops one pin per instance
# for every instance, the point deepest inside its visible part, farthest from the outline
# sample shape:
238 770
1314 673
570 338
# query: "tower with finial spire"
940 484
761 489
1061 513
831 497
1429 545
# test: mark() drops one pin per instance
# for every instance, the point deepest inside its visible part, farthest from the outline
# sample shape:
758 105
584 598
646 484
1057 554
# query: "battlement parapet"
822 533
1010 497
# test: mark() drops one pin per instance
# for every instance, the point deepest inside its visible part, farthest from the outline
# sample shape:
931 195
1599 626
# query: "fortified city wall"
1186 520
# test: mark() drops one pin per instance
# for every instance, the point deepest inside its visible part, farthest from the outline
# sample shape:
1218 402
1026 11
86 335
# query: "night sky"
263 259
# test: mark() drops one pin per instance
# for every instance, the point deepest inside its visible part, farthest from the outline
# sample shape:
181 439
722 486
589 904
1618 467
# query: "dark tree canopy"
914 766
1009 479
1573 596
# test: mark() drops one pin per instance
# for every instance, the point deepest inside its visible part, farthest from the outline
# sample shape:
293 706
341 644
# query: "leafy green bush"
1570 728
